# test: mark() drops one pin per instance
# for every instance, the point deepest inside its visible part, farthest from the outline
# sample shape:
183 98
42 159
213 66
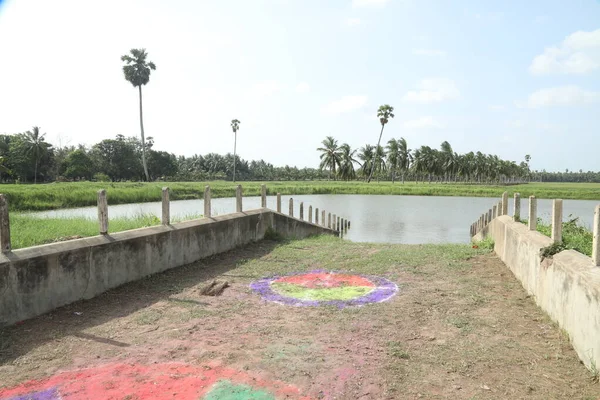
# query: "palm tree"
36 146
330 157
384 113
235 125
366 155
404 157
346 171
379 166
393 154
137 72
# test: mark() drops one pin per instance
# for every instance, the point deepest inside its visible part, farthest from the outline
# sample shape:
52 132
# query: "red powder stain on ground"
325 280
160 382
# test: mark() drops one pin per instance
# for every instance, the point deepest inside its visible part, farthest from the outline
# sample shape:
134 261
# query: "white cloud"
433 91
369 3
579 53
429 52
423 123
303 87
569 95
353 21
345 104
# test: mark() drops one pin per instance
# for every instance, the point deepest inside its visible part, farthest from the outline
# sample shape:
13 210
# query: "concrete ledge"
38 279
567 287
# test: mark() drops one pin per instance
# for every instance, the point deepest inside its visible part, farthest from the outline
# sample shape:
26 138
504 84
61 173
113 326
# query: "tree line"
28 158
396 161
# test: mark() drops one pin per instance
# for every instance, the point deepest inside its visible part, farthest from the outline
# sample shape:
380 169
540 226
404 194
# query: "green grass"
574 237
29 231
80 194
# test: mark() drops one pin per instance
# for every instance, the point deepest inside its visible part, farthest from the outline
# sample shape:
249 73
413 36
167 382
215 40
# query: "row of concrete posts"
333 222
501 208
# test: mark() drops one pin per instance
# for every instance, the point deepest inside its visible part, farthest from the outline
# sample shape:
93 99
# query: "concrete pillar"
310 214
337 225
494 211
333 223
348 224
557 210
500 208
207 206
5 245
490 216
317 216
102 212
302 210
596 242
329 220
166 212
238 199
323 217
291 207
504 203
278 202
532 223
517 212
263 196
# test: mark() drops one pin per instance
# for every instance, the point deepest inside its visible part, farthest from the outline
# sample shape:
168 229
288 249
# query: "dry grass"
461 327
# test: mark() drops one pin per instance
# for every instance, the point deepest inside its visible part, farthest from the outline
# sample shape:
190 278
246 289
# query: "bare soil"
460 327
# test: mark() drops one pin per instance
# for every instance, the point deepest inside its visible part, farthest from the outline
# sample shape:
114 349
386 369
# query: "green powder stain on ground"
324 294
227 390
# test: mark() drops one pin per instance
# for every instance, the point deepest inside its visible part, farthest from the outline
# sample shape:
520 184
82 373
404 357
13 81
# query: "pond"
380 218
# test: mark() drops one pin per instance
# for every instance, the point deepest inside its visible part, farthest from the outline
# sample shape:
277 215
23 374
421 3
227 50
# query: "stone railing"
322 218
566 285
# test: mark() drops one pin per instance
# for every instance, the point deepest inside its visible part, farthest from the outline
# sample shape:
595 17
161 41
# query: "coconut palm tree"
379 166
384 113
393 149
404 157
137 72
330 155
346 171
235 125
366 155
36 146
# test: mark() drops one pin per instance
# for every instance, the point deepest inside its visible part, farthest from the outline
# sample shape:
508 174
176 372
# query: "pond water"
383 219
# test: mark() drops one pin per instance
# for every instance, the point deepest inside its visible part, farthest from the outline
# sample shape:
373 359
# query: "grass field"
29 231
459 327
80 194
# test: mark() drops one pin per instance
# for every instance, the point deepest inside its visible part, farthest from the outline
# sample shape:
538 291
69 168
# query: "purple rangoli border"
384 290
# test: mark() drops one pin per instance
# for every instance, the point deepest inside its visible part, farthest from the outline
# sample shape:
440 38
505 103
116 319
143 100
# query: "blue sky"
509 78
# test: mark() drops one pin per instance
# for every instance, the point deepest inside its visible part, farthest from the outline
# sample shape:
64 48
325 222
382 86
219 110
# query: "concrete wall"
567 286
38 279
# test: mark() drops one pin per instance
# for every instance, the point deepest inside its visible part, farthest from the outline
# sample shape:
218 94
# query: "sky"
506 77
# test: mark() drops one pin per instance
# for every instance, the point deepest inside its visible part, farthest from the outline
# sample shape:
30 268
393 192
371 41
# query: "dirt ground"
460 327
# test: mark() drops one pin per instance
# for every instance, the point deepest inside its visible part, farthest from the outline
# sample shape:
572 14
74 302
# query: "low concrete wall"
38 279
567 286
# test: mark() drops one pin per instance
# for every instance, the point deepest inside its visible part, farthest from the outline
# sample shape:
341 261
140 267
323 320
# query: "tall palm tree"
235 125
404 157
346 171
384 113
393 156
137 72
36 146
330 155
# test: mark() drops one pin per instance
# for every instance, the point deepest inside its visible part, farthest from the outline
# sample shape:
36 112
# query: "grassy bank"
574 236
29 231
81 194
